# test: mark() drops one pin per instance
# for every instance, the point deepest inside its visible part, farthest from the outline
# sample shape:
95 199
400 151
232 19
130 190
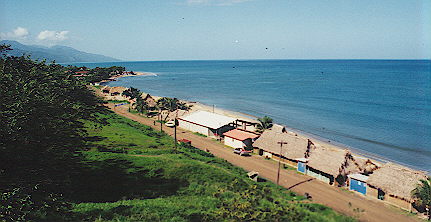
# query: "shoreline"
331 144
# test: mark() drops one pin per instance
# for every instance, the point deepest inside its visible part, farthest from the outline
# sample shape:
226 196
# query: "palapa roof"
296 147
358 176
149 99
278 128
207 119
366 164
396 180
333 161
240 134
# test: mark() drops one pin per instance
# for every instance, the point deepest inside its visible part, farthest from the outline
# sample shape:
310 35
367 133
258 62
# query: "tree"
41 113
264 123
141 105
132 93
422 195
171 105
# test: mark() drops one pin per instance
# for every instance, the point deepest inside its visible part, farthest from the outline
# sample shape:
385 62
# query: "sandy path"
322 193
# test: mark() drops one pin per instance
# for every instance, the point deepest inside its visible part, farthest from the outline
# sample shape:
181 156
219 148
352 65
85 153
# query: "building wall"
316 174
302 167
372 192
358 186
233 142
267 154
290 162
193 127
398 202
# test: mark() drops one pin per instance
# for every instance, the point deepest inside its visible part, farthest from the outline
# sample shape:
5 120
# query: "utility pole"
175 133
279 159
160 120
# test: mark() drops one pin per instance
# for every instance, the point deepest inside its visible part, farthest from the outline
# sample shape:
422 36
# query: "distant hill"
61 54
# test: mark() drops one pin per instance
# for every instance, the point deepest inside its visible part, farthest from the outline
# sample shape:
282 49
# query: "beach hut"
358 183
331 165
206 123
296 147
394 183
150 100
237 138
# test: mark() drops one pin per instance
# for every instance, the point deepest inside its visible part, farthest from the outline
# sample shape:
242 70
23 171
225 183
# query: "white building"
237 138
206 123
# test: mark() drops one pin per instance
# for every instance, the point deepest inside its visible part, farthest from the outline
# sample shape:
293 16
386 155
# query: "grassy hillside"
134 174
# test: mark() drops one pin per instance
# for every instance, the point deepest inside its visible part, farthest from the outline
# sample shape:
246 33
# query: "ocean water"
380 107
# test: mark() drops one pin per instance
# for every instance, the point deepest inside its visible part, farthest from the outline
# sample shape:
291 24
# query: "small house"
206 123
394 184
331 165
296 147
237 138
358 183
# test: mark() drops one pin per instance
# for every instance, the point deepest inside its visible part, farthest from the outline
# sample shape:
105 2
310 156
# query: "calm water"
377 106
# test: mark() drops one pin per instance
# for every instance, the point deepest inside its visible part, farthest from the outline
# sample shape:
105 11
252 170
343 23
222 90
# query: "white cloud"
18 33
215 2
52 35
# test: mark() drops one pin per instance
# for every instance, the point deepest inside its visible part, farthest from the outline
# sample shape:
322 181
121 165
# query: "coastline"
331 144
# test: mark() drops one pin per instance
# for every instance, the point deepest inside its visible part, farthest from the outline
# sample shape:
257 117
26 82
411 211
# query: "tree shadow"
297 184
118 179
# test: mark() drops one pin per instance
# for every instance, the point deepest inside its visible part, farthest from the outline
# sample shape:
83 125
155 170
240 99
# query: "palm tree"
141 105
422 195
171 104
264 123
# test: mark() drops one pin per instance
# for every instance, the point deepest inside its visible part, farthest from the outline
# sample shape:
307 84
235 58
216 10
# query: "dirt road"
340 200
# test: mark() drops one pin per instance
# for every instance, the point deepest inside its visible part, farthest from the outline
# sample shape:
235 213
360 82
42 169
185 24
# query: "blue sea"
379 107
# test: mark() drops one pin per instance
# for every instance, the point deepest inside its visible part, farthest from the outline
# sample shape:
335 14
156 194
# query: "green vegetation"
187 184
65 158
422 195
95 75
264 123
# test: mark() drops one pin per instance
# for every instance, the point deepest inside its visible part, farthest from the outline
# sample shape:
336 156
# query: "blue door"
358 186
301 167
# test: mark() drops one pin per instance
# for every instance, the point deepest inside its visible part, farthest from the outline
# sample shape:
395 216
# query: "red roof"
79 75
240 134
81 72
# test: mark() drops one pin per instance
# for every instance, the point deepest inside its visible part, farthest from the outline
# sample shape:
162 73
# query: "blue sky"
225 29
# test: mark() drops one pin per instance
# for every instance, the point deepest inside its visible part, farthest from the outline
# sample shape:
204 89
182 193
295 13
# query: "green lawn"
163 184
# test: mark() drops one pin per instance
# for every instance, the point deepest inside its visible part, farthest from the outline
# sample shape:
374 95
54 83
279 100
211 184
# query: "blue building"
302 165
358 183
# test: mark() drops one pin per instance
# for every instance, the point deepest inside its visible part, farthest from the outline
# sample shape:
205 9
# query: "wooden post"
175 133
160 119
279 160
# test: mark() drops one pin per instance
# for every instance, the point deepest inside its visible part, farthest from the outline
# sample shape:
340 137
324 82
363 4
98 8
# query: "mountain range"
61 54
